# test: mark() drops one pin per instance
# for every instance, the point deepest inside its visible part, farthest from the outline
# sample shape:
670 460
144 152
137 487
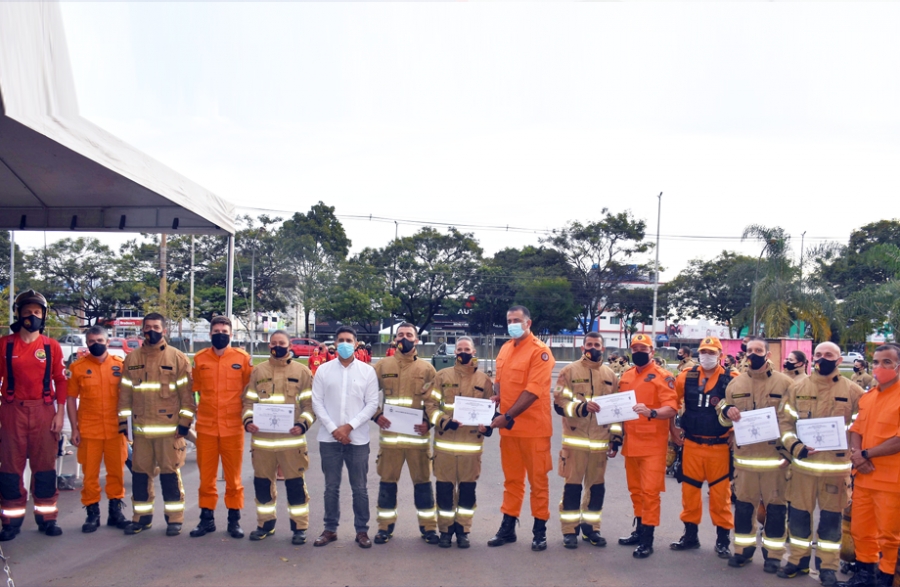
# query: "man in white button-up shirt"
345 397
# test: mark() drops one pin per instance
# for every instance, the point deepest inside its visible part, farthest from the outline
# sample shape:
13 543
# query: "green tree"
315 243
849 269
551 303
601 255
359 295
634 305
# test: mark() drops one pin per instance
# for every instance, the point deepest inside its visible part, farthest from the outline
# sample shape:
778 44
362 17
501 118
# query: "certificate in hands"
616 407
756 426
277 418
472 411
403 420
823 433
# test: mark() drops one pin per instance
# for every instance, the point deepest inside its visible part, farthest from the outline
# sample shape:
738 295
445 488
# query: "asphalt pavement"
108 557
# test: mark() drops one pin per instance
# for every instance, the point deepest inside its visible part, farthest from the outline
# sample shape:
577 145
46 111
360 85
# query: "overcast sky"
506 114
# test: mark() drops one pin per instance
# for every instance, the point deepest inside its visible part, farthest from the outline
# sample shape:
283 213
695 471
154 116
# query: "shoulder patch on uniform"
650 377
671 381
545 357
237 366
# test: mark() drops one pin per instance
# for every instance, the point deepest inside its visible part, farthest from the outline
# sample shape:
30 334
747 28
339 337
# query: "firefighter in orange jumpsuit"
706 454
220 375
646 440
524 371
94 380
875 454
32 373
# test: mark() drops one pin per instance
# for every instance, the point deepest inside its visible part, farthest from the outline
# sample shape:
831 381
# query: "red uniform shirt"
29 363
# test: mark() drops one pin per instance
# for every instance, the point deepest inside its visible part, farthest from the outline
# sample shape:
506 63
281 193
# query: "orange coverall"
646 440
525 449
220 431
96 384
875 524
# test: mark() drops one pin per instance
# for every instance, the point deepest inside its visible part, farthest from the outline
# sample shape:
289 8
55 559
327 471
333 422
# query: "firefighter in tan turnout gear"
156 391
404 381
819 478
457 448
761 468
280 381
685 360
585 443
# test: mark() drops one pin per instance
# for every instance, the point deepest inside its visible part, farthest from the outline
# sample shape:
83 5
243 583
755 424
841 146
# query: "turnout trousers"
25 435
165 455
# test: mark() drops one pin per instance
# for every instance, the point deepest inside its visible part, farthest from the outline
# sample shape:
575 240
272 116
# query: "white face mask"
709 362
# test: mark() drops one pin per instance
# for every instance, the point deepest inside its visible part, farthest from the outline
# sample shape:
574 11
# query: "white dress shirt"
345 395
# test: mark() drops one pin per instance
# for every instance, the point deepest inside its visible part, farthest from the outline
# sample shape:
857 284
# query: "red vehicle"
303 347
118 344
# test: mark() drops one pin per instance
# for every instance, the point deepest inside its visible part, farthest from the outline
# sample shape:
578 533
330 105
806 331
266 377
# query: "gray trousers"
334 456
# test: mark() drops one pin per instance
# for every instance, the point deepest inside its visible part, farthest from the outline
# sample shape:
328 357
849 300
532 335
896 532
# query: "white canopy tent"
59 171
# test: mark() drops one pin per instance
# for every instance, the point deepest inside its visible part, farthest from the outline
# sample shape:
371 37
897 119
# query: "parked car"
118 344
851 357
444 357
70 344
132 344
303 347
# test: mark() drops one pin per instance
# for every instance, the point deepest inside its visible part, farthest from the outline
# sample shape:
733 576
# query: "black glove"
183 430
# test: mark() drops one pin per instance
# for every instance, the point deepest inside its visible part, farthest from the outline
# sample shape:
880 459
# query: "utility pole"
162 274
394 279
656 267
802 239
192 294
12 274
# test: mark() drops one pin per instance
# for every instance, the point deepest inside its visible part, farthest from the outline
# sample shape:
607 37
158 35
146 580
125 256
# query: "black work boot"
93 518
143 523
790 570
446 540
207 524
539 530
462 537
506 533
10 530
866 576
645 547
570 540
635 534
429 536
384 536
688 540
115 517
234 524
51 529
723 541
828 578
299 536
264 531
883 579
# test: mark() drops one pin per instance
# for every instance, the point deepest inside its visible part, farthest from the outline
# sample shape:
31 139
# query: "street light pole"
192 294
656 267
12 274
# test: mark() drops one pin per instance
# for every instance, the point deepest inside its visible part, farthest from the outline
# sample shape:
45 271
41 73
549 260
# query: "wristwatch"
865 454
652 415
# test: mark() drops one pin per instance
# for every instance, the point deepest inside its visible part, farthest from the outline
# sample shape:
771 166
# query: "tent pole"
12 274
229 278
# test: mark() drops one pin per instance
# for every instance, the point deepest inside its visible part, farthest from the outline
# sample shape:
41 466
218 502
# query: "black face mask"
856 369
825 367
594 354
640 359
220 340
32 323
790 366
153 337
279 352
464 358
97 349
405 345
743 347
757 361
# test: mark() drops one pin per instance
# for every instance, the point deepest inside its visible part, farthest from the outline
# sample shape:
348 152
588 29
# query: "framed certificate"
616 407
277 418
823 433
472 411
756 426
403 420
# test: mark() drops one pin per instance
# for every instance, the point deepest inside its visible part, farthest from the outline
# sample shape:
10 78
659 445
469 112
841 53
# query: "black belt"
710 440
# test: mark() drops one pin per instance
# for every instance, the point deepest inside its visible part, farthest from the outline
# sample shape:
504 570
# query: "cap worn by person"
641 339
711 343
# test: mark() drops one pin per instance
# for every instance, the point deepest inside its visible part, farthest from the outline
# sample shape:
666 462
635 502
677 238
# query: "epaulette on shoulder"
241 350
113 357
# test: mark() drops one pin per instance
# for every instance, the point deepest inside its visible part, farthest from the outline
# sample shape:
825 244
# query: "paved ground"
107 557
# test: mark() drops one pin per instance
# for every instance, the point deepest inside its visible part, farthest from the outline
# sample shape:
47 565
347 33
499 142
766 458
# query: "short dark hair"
760 339
154 316
282 333
522 309
890 347
594 334
409 325
348 329
220 320
801 356
95 330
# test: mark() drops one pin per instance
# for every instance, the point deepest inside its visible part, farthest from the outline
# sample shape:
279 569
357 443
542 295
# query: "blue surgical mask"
345 350
515 330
